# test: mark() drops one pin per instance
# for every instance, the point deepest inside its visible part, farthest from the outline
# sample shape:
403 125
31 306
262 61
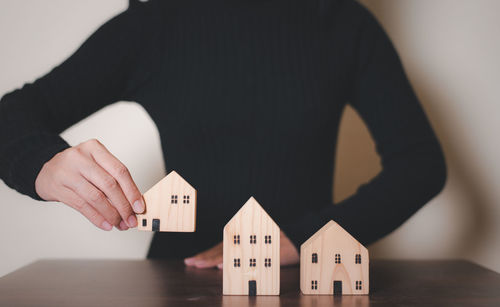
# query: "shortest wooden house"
251 260
170 206
333 262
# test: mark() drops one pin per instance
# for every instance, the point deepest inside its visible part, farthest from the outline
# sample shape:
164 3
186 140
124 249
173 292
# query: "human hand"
88 178
213 257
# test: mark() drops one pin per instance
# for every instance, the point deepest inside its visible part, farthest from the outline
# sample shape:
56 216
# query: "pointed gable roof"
171 177
250 205
327 226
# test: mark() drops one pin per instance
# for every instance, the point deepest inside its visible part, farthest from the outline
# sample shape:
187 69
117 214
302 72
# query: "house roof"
170 177
175 174
327 226
249 205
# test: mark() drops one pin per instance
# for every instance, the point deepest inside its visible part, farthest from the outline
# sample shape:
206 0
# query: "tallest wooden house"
251 253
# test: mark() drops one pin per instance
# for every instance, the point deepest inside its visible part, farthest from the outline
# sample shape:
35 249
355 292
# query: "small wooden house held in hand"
170 206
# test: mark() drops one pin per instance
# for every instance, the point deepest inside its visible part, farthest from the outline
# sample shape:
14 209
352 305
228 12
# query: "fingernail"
106 226
189 261
132 221
123 226
138 206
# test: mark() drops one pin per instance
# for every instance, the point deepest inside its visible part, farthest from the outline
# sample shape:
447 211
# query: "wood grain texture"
251 220
151 283
172 201
329 243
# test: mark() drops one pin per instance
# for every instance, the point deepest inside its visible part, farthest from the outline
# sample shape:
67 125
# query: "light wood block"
254 227
333 244
170 206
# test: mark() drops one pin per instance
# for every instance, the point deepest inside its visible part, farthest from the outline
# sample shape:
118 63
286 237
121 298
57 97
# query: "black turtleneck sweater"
247 97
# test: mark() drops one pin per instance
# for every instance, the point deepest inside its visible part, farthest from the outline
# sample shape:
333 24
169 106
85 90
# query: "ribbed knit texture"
247 97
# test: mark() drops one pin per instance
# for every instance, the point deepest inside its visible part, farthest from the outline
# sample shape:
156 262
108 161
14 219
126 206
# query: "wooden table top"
170 283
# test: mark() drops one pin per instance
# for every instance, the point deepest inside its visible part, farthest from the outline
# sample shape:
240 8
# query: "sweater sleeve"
31 118
413 167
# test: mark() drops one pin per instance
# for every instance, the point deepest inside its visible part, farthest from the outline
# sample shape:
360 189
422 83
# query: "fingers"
102 190
71 199
207 259
104 182
95 198
204 263
118 171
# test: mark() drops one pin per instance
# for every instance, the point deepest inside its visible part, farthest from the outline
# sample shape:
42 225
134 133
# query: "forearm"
97 74
28 138
407 182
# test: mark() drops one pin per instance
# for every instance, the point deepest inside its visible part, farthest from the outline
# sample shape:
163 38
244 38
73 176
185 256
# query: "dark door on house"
337 287
252 287
156 225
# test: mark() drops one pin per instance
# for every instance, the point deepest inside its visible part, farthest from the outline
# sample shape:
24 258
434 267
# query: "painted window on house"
267 262
253 262
253 239
267 239
144 222
359 285
236 239
186 199
337 258
173 199
314 285
357 259
237 262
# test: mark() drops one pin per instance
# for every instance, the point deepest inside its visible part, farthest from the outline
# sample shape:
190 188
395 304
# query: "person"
247 96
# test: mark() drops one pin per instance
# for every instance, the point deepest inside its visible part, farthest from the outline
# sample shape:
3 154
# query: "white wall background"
450 50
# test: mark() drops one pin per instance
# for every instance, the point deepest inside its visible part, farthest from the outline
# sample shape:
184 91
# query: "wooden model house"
170 206
251 261
333 262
